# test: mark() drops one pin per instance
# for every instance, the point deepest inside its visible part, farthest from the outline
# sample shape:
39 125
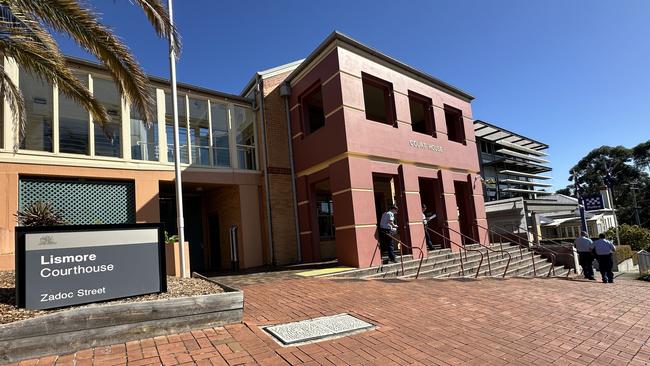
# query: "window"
73 124
312 109
182 128
378 100
220 140
108 139
455 125
199 131
421 114
144 137
245 137
38 102
325 214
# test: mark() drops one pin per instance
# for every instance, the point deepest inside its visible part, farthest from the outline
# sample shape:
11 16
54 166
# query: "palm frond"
159 18
34 56
10 92
82 25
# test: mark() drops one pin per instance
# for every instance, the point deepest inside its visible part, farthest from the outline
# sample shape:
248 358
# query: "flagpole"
177 154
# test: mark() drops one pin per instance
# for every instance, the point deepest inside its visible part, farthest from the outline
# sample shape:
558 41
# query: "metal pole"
636 207
611 199
581 207
177 152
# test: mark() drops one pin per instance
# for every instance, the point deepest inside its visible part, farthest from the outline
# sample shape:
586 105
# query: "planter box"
173 258
105 324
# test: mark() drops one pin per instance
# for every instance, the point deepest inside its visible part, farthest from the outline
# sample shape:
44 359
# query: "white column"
187 130
232 141
91 124
10 135
55 119
211 149
126 129
162 131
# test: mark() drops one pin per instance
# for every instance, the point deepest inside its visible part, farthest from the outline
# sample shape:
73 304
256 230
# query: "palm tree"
25 38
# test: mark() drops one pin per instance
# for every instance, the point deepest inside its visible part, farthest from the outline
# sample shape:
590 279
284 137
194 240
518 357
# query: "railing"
401 254
538 249
521 253
463 248
489 249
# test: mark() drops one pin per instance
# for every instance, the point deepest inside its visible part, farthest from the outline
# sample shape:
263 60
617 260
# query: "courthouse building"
297 168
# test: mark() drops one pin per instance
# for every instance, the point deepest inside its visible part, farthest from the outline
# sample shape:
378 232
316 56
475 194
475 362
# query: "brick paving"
420 322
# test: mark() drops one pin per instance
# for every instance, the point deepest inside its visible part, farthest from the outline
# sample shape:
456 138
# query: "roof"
493 133
269 73
340 37
160 80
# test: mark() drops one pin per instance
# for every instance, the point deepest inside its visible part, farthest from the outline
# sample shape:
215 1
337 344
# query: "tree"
24 37
636 237
628 169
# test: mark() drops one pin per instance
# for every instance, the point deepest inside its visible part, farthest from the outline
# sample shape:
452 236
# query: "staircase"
475 261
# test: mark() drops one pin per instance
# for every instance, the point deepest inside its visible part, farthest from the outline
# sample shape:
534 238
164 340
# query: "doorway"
215 241
192 211
431 197
466 211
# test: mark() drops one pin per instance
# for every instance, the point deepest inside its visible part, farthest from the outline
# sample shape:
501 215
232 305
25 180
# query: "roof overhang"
499 135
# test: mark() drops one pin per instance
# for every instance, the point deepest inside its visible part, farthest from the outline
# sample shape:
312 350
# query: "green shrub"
623 252
636 237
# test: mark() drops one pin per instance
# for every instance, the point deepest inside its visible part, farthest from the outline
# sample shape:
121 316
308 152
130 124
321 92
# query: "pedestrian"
425 221
605 254
387 228
585 248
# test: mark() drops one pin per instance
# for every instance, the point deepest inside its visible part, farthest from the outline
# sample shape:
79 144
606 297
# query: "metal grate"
83 202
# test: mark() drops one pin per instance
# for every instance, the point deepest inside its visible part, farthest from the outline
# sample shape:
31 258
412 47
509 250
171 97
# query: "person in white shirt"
604 253
425 221
388 226
585 248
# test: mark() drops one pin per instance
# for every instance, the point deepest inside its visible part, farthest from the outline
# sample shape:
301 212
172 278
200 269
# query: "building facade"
300 165
511 165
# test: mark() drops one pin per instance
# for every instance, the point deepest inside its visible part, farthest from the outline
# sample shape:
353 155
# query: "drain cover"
317 328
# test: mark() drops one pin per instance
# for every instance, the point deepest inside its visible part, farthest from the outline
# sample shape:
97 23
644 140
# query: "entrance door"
215 242
466 210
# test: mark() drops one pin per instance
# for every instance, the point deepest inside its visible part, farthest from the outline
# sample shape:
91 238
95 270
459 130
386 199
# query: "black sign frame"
20 254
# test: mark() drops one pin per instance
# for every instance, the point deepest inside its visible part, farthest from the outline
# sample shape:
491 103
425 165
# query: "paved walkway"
451 322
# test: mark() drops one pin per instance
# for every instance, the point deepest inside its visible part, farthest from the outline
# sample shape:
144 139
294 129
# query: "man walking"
585 248
425 221
604 253
387 226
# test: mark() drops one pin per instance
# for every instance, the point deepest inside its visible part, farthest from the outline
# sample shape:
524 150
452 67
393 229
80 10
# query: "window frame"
389 98
459 121
305 124
429 118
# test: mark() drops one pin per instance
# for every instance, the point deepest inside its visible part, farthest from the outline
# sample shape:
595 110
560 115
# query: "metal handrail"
488 250
401 256
462 247
521 256
536 248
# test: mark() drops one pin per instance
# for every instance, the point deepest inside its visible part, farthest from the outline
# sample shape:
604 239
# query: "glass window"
455 125
220 140
245 137
325 214
199 131
312 109
144 137
182 128
73 124
378 99
108 139
38 103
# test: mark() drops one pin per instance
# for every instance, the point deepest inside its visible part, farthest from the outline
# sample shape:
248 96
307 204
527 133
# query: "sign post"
61 266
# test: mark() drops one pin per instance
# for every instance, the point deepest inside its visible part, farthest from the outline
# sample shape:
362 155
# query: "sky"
574 74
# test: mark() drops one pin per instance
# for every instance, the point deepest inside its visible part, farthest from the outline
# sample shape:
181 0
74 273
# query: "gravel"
176 287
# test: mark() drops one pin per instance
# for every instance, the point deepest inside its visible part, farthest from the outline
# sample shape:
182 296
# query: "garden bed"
190 303
176 287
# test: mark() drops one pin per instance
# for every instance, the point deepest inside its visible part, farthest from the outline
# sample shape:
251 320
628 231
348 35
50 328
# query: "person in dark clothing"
605 254
388 226
585 248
